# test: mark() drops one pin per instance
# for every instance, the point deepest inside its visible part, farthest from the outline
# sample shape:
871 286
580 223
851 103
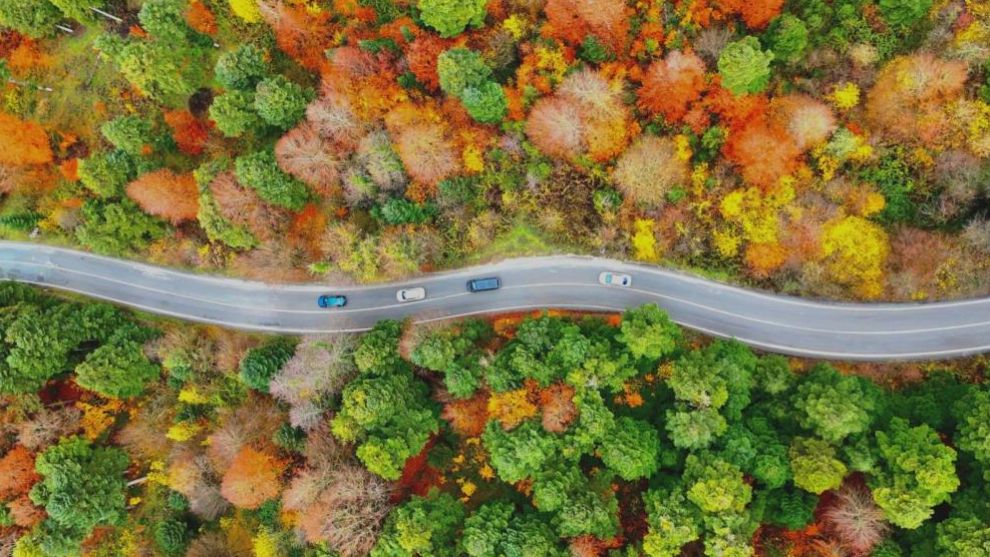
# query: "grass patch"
521 239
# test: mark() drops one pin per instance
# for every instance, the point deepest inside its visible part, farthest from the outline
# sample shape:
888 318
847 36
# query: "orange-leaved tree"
163 193
17 473
671 84
910 96
573 21
253 478
755 13
23 142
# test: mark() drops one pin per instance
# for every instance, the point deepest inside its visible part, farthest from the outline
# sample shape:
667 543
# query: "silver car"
410 294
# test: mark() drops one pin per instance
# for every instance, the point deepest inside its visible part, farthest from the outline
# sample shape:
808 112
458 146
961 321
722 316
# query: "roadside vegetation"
540 435
833 148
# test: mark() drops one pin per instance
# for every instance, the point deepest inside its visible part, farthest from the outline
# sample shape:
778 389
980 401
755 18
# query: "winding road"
862 332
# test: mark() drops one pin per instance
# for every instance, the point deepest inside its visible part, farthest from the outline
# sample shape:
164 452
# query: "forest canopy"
542 434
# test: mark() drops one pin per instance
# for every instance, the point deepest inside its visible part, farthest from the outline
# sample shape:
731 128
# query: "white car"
614 279
410 294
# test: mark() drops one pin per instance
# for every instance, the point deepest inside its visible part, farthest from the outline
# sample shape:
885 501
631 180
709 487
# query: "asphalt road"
865 332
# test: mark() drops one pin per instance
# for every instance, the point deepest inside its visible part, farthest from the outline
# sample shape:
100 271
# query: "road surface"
863 332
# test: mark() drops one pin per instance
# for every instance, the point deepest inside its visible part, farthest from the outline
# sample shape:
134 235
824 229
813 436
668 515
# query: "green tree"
715 485
260 172
973 414
756 448
119 368
694 429
260 364
423 526
744 67
234 114
454 352
672 520
165 20
963 536
787 38
496 530
464 75
916 473
631 449
159 69
519 454
82 487
486 103
117 228
904 13
791 508
35 18
171 536
460 68
451 17
773 375
391 418
815 466
378 350
281 102
79 10
833 405
105 173
41 339
131 134
648 332
241 68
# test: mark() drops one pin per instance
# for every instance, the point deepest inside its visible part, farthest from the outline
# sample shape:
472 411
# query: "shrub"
744 67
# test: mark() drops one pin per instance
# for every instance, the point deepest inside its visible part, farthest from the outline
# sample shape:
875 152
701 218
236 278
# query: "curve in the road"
864 332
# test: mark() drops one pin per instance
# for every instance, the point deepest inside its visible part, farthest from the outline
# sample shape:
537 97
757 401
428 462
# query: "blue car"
484 284
327 301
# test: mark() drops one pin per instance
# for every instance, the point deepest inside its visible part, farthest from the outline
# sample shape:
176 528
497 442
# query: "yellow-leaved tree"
855 252
246 10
